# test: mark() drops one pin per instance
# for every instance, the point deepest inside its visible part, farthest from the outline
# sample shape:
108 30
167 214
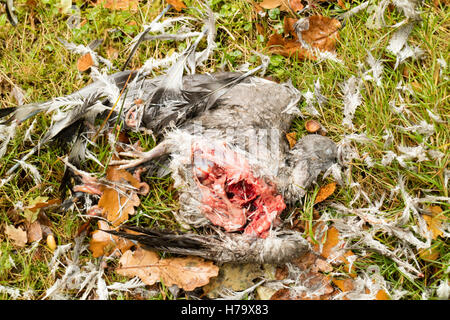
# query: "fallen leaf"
236 277
260 28
344 285
328 247
325 192
187 273
296 5
104 244
432 253
382 295
131 5
117 208
177 4
118 205
323 266
322 34
85 62
277 44
16 235
34 232
31 211
288 27
342 4
272 4
292 139
265 293
435 221
282 294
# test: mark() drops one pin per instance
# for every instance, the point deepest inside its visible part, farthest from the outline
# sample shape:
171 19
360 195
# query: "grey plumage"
237 120
247 113
280 247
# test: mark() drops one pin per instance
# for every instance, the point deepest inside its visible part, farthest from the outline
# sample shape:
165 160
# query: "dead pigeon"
221 137
233 168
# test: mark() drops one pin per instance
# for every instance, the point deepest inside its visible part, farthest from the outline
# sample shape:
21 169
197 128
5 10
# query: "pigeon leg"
141 157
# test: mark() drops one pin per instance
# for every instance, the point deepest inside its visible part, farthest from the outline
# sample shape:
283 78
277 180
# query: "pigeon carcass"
233 168
221 137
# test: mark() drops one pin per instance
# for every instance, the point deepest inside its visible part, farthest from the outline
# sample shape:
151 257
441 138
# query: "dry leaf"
432 253
345 285
323 266
325 192
292 139
177 4
85 62
187 273
272 4
311 265
322 34
282 294
236 277
330 250
287 47
31 211
17 235
434 222
117 207
120 4
265 293
103 243
260 29
296 5
382 295
34 232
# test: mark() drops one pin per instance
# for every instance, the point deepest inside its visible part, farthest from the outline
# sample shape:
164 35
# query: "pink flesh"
232 197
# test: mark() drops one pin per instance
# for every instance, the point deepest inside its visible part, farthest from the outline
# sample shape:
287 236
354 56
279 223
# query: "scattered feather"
352 99
435 116
32 170
376 70
353 11
18 94
422 128
443 290
30 129
376 19
83 50
7 132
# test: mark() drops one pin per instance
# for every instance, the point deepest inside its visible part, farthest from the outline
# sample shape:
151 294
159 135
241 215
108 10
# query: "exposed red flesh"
232 197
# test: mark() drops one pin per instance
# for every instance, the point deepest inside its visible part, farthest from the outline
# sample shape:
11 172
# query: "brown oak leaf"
187 273
177 4
325 192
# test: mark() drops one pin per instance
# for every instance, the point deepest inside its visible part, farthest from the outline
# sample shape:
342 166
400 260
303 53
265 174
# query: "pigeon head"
312 155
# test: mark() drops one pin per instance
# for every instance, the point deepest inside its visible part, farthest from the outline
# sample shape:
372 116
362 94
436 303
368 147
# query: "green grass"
32 58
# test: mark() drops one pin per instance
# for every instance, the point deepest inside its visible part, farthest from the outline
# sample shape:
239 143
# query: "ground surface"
32 59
